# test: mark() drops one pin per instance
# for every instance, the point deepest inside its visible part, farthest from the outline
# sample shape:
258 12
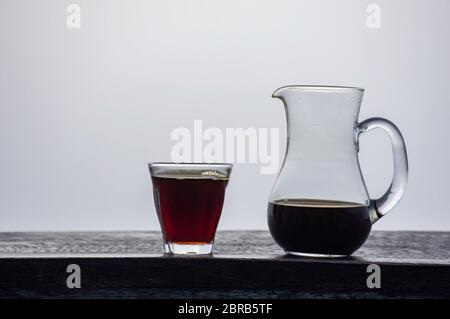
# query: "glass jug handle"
379 207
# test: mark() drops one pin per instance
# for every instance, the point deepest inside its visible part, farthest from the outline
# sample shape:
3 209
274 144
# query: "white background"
83 111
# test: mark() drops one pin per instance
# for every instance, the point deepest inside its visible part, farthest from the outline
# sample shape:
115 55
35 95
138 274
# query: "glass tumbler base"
187 248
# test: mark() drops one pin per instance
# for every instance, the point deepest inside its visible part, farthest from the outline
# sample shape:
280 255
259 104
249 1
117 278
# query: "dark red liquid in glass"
319 226
188 208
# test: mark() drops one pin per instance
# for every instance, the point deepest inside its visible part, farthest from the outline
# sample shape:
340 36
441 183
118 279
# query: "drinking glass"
188 199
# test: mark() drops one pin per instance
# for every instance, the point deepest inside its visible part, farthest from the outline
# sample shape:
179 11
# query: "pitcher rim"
320 88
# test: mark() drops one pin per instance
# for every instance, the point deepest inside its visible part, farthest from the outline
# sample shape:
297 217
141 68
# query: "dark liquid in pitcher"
189 207
319 226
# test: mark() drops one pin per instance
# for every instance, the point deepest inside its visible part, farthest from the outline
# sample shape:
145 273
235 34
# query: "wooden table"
245 264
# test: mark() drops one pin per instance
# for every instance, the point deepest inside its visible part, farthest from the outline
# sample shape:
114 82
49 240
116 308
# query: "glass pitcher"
319 204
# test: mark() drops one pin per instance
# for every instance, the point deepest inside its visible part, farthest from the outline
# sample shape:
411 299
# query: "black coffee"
319 226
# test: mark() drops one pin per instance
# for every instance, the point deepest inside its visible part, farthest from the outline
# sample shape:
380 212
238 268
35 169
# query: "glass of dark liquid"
189 199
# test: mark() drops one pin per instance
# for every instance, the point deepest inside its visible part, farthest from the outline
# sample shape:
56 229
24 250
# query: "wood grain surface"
244 264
